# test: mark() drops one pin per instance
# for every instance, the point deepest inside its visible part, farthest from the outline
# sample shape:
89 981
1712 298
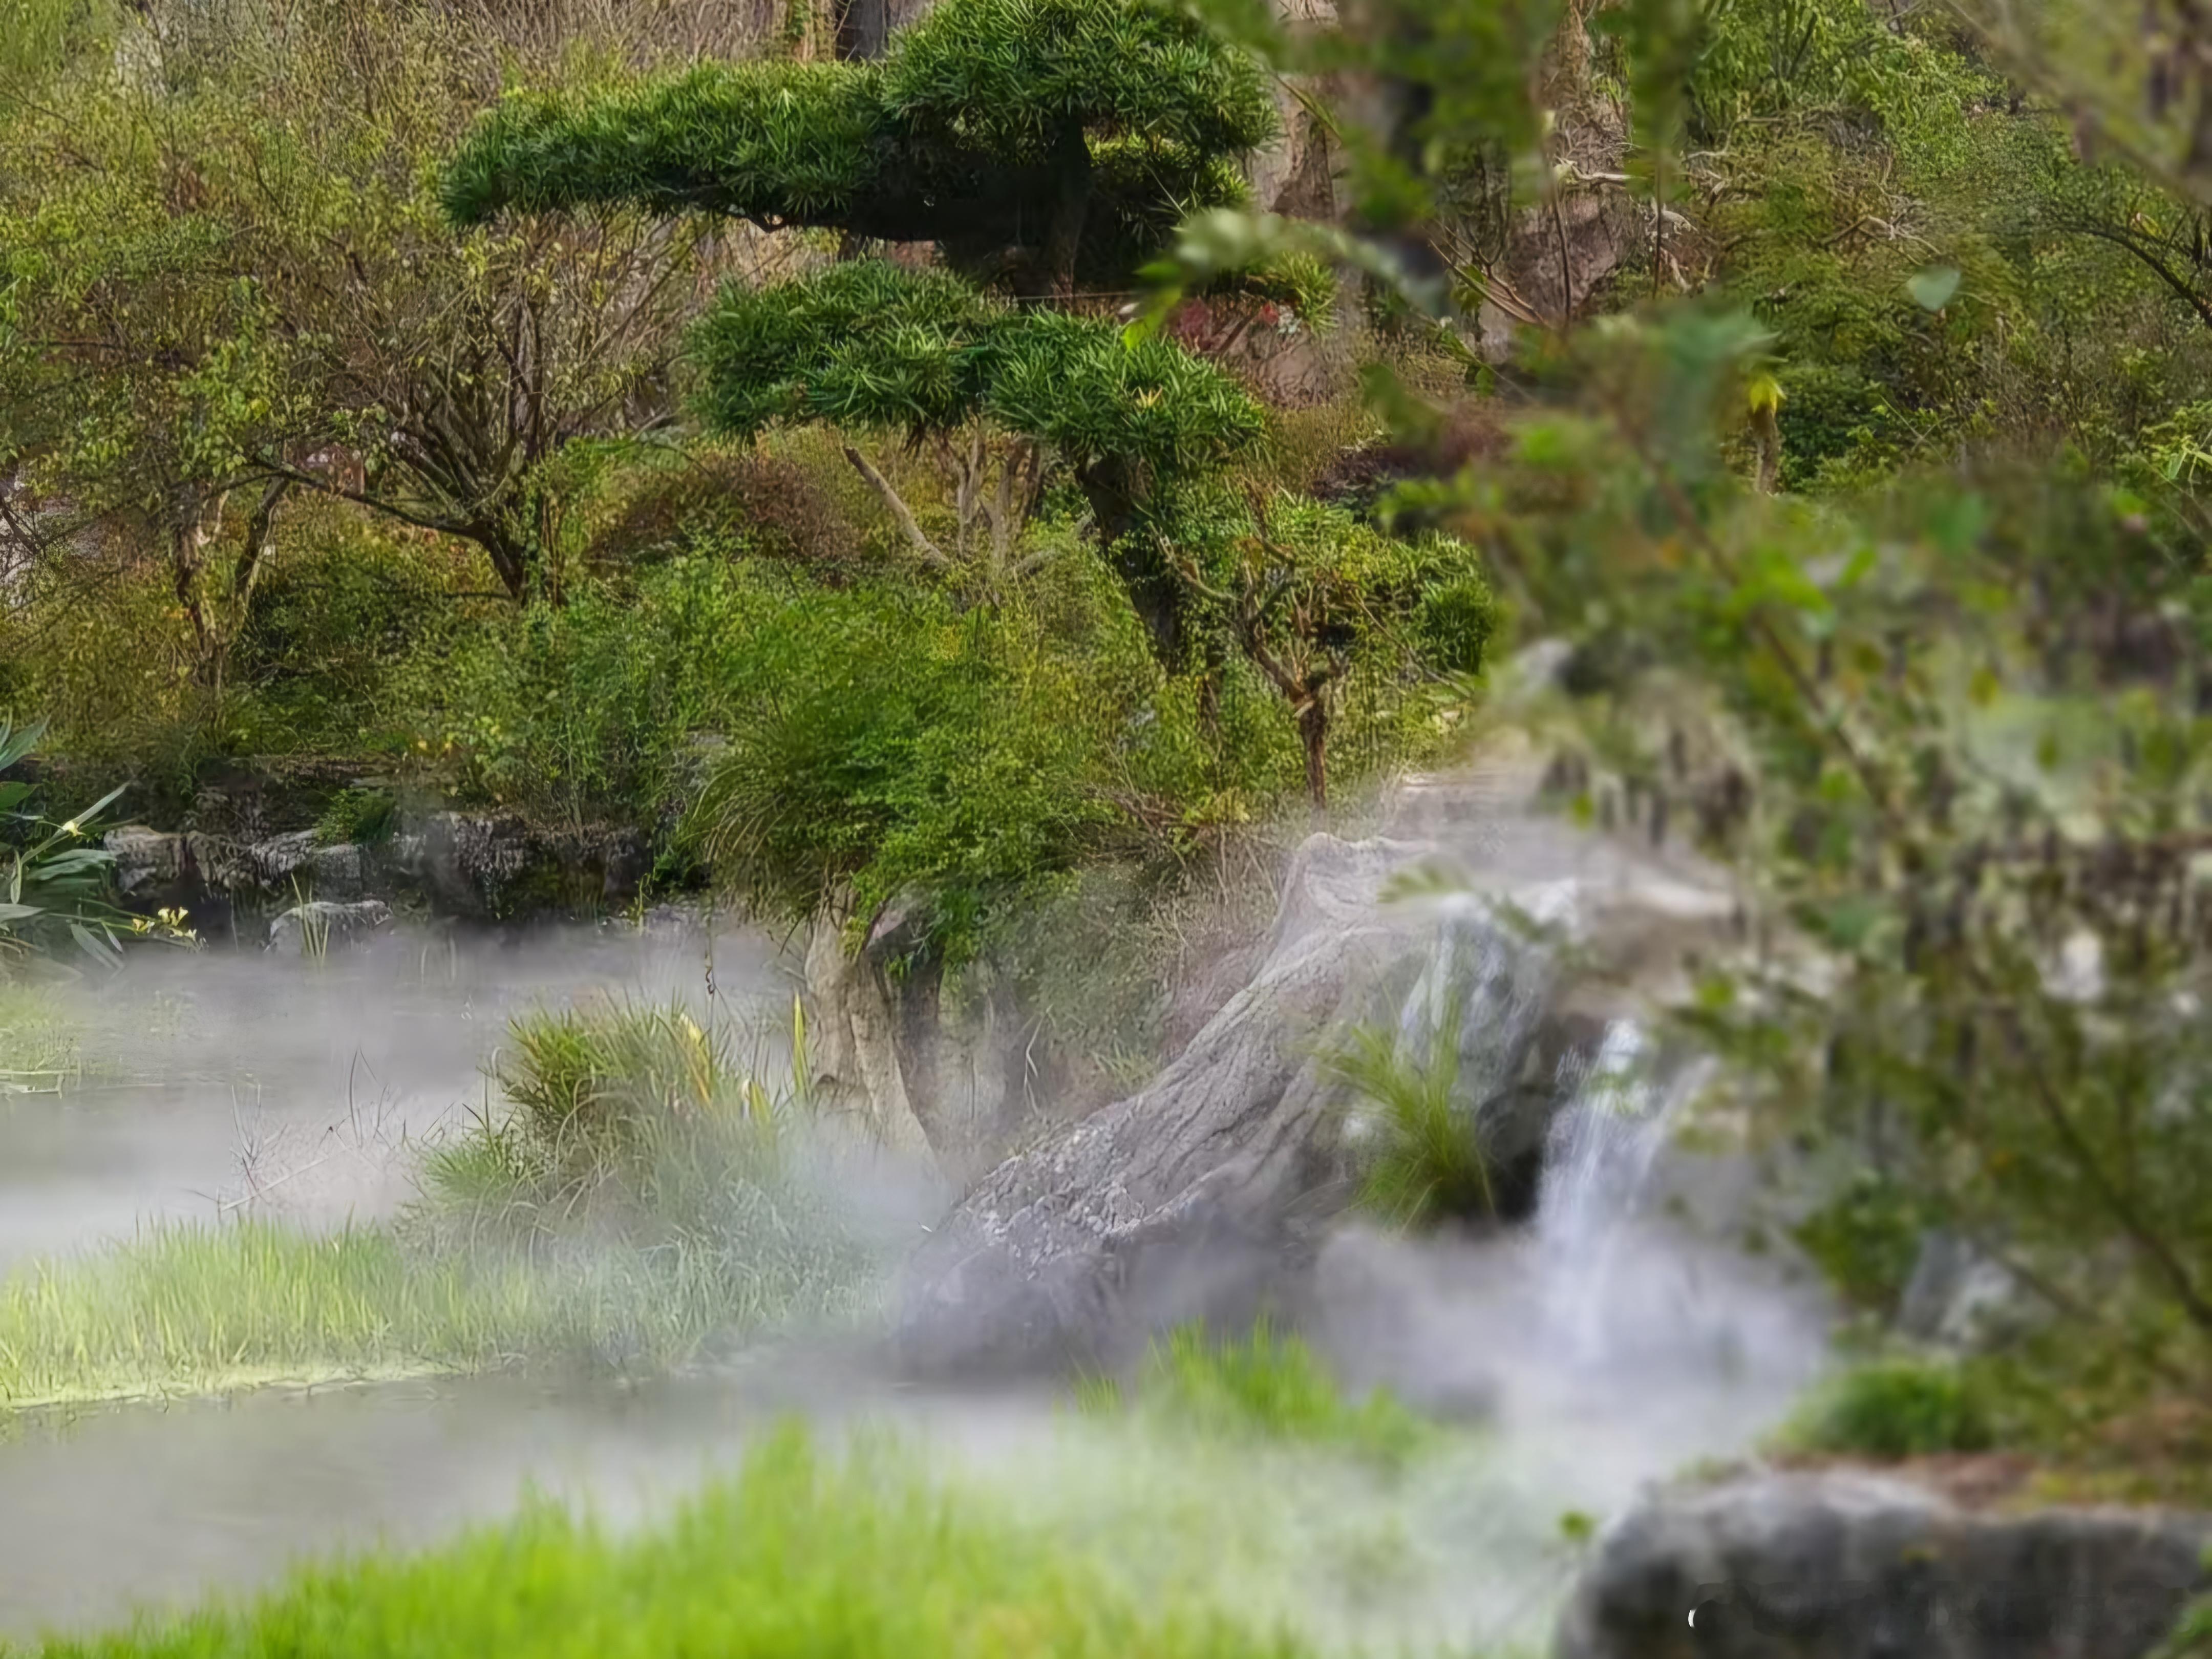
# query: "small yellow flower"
69 829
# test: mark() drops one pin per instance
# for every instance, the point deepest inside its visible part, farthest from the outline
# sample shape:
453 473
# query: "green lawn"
800 1554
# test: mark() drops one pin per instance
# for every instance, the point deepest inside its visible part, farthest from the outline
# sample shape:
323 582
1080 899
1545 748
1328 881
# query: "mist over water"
1598 1346
221 1080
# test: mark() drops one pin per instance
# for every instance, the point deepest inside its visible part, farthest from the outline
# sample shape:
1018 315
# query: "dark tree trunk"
1154 592
1313 733
1071 169
509 553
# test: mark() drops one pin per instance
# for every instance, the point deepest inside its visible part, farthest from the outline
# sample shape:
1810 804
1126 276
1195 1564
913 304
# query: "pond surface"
1601 1348
221 1078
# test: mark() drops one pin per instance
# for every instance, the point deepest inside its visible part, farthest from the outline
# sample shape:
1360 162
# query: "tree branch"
931 555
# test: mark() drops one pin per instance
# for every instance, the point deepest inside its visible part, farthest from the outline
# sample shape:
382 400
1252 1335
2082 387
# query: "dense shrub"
1899 1408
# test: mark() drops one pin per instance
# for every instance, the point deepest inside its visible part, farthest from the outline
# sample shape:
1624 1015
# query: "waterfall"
1597 1172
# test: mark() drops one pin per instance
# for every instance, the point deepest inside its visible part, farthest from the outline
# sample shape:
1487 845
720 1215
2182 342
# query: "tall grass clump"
1421 1157
637 1129
798 1553
640 1194
192 1307
1267 1385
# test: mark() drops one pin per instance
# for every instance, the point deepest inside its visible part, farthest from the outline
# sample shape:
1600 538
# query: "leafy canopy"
872 344
961 135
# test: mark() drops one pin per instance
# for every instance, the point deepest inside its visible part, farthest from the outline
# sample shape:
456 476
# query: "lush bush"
1895 1408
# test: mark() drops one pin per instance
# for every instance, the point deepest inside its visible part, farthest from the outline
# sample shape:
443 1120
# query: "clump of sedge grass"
797 1555
637 1126
1267 1385
1421 1156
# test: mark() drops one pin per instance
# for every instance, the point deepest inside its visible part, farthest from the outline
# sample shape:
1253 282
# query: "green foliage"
40 37
874 345
799 1553
960 135
1865 1240
1898 1408
54 883
231 287
1421 1156
637 1124
897 745
357 818
1266 1386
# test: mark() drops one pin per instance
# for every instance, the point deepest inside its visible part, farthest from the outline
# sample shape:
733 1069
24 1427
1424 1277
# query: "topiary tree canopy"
1053 143
1044 145
873 345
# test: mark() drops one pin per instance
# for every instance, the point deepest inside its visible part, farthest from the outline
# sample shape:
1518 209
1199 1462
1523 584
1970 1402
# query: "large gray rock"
1194 1198
1857 1566
147 860
1163 1205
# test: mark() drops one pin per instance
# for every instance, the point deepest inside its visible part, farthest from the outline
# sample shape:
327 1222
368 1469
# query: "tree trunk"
1154 591
194 524
1766 436
1064 241
1313 733
510 555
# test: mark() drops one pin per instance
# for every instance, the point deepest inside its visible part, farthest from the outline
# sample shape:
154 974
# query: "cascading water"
1597 1171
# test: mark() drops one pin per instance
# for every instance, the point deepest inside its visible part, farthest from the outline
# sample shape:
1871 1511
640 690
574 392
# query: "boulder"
1837 1565
282 860
321 926
147 860
1199 1196
1175 1202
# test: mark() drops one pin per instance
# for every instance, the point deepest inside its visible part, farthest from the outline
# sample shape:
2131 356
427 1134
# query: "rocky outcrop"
484 868
1855 1566
317 928
1151 1209
1196 1196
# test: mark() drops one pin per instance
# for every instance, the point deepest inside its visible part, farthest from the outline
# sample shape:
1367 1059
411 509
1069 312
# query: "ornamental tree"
1046 144
924 354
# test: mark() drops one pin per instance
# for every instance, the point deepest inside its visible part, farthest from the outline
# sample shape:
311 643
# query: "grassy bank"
800 1554
640 1193
206 1308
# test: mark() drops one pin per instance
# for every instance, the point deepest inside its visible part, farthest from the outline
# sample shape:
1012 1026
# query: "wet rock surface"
1844 1566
